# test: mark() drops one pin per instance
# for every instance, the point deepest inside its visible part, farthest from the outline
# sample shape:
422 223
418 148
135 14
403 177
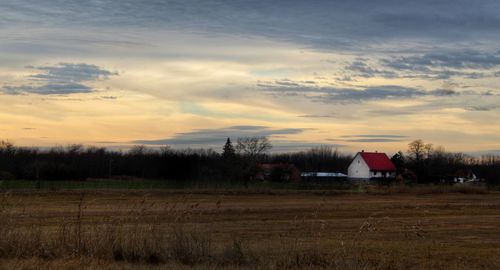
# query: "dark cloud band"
347 95
218 136
60 79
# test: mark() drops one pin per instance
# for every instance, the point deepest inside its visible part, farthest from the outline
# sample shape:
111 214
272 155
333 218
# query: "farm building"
370 165
463 176
281 172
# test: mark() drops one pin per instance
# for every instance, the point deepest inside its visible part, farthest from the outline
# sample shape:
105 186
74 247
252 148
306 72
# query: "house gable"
358 168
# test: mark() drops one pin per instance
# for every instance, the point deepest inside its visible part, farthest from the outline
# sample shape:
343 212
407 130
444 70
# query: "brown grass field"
223 230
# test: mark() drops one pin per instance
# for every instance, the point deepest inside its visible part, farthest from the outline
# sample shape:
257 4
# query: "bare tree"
74 149
417 150
253 147
138 150
7 147
429 149
166 150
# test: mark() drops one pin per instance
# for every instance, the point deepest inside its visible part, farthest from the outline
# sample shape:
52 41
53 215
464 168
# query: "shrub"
6 175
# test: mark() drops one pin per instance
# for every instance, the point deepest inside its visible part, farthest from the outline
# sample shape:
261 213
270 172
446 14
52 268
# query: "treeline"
239 163
317 159
426 163
420 163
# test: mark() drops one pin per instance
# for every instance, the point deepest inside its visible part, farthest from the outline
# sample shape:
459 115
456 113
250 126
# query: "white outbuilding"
369 165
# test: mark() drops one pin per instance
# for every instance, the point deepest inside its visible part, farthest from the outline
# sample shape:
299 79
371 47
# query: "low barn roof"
378 161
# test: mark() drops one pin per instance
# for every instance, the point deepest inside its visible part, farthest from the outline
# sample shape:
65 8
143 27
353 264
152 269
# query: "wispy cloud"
466 59
372 138
60 79
362 69
47 89
70 72
482 108
317 115
438 65
346 95
215 137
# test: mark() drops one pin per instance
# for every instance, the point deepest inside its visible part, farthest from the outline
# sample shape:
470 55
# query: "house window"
358 161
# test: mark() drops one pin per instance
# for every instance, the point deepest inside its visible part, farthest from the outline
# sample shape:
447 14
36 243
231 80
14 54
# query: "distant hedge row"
76 162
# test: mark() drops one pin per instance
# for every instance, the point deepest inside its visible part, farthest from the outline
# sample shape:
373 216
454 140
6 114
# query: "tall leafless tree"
253 147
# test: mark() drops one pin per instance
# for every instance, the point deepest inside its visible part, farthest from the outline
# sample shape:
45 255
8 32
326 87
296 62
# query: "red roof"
378 161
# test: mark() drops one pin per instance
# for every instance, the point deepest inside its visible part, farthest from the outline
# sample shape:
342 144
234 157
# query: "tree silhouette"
399 161
416 150
253 147
228 151
242 162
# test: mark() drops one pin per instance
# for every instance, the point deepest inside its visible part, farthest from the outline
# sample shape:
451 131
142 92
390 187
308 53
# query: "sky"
357 74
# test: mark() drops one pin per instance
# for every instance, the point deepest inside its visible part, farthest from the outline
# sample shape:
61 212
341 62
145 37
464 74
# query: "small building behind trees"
371 165
281 172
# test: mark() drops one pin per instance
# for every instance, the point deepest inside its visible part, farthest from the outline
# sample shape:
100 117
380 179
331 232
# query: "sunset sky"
357 74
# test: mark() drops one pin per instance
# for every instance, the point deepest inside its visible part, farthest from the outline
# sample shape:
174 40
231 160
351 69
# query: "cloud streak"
467 59
380 140
287 87
373 138
217 137
60 79
70 72
438 65
47 89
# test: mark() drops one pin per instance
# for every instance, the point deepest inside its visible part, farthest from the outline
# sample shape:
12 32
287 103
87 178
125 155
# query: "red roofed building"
367 165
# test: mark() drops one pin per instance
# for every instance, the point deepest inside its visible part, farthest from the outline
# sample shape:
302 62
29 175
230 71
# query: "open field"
179 230
326 187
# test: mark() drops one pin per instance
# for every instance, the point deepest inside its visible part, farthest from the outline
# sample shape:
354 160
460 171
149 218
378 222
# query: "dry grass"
113 230
428 189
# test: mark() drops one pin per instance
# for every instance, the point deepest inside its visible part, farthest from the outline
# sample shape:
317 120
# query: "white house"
367 165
